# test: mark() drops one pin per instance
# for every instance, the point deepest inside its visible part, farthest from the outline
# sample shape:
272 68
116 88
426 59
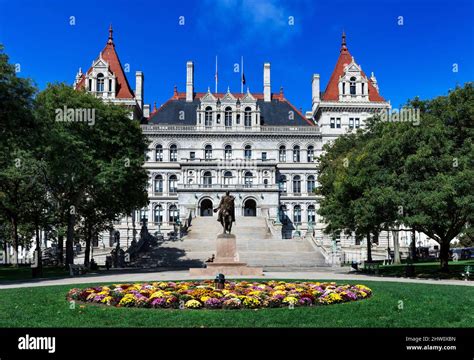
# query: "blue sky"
413 59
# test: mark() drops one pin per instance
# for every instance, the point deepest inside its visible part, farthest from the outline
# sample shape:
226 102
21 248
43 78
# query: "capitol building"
257 145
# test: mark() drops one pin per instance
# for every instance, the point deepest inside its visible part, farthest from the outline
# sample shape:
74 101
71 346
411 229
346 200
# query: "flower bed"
235 295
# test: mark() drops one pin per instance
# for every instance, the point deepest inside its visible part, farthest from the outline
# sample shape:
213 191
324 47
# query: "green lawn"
430 270
8 273
423 306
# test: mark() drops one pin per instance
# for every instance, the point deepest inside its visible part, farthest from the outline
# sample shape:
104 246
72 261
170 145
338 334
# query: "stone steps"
255 246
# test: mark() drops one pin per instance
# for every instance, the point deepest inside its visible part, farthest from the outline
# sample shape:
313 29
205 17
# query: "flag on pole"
216 76
243 76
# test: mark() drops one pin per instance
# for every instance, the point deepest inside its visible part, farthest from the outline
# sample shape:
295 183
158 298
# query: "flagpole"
242 75
216 74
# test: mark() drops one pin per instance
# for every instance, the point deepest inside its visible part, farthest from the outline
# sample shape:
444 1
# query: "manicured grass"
8 273
429 270
392 305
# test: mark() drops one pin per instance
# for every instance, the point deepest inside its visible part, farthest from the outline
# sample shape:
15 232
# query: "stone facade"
258 146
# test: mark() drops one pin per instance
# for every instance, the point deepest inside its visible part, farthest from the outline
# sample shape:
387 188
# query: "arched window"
173 214
228 152
173 153
282 184
296 153
159 152
227 178
173 184
100 82
207 179
143 214
297 214
208 152
352 87
310 152
297 184
248 179
311 214
282 153
311 183
248 152
158 214
208 117
158 184
248 117
228 117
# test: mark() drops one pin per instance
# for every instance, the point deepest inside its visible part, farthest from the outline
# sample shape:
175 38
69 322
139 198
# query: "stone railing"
150 129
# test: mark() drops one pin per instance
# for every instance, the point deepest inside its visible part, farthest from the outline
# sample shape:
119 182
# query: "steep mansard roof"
272 113
332 92
123 90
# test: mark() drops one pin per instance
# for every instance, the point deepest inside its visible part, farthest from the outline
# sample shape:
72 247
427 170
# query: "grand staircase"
255 245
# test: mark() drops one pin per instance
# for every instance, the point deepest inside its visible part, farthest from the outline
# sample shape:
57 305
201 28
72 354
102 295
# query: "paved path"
184 275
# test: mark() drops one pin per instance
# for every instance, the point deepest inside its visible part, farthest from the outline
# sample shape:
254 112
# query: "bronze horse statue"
226 214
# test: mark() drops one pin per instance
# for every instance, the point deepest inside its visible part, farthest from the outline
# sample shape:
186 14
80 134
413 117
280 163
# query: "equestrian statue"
226 215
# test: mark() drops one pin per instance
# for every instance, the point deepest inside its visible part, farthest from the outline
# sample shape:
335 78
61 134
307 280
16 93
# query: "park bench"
372 267
468 270
75 270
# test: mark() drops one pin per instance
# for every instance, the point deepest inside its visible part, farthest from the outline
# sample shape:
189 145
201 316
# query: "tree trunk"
71 221
88 238
369 248
444 254
60 249
396 248
39 259
413 246
15 240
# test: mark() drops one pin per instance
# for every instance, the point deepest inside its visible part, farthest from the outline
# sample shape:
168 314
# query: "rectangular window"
264 156
343 88
90 85
192 155
110 85
357 123
363 88
338 123
351 123
333 123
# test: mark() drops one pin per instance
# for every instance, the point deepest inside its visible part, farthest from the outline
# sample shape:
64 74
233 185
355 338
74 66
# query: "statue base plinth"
226 260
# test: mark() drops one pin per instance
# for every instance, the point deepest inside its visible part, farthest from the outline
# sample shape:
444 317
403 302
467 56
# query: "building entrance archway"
250 207
206 208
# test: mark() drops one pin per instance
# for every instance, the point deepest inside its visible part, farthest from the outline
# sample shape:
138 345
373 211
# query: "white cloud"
263 21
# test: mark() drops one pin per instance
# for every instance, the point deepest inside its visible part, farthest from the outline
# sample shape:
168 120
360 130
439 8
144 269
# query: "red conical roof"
345 58
123 90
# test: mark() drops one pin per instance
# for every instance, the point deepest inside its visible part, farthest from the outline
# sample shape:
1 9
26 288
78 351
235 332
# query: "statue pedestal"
226 260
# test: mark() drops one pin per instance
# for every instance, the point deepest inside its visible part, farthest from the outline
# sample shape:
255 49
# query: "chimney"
146 111
315 92
189 81
139 88
267 91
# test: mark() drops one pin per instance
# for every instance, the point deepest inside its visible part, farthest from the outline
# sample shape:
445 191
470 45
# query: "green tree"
102 154
418 175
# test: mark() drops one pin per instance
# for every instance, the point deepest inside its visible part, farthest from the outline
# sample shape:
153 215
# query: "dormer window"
248 117
208 117
228 117
100 82
352 88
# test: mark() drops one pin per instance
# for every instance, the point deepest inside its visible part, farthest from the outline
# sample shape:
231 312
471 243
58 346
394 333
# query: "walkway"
184 275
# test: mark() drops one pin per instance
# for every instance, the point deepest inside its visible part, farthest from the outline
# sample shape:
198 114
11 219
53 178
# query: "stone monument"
227 258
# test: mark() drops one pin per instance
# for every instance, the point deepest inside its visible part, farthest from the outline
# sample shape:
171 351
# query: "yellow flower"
192 304
290 300
107 299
